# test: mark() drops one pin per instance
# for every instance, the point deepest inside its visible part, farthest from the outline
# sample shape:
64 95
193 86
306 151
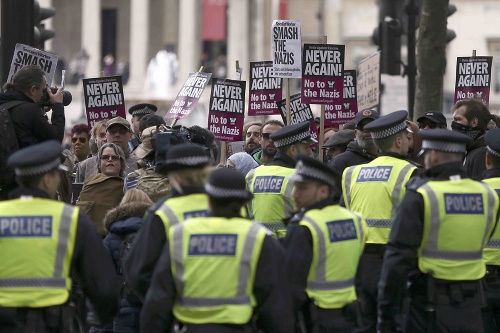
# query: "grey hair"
118 151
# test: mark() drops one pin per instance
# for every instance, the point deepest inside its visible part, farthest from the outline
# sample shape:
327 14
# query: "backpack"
155 185
8 141
125 247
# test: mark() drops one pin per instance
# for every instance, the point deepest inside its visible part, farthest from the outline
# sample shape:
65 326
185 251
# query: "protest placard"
287 46
335 115
103 98
322 74
227 109
264 90
473 78
369 82
235 147
188 96
299 112
25 55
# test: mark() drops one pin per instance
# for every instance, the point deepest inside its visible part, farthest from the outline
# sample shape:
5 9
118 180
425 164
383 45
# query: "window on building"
494 50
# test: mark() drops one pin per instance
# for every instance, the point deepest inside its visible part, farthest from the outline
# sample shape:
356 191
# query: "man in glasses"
268 150
432 120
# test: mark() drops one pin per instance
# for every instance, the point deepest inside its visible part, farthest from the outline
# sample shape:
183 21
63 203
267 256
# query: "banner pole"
288 112
322 124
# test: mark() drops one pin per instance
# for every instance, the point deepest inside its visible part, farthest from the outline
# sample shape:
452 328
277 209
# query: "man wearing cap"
272 202
43 242
337 143
138 111
436 243
491 252
119 132
432 120
215 272
374 190
185 167
324 243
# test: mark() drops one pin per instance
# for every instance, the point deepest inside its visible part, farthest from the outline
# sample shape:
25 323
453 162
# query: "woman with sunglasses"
80 139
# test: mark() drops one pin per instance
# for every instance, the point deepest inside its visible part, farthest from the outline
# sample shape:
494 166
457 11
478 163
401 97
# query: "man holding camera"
31 124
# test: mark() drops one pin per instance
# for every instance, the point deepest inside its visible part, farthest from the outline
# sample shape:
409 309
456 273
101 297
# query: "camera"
67 97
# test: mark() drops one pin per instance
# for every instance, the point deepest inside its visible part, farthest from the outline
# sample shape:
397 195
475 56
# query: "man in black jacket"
30 121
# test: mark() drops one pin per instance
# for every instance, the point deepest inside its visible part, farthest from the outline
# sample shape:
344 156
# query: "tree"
431 56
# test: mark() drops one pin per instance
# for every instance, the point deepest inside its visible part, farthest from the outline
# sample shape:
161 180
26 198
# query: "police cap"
492 140
227 183
341 138
185 156
434 116
444 140
142 109
388 125
308 168
296 133
37 159
365 114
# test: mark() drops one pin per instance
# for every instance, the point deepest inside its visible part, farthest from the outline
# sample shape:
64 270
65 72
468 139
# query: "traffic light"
450 34
40 33
388 35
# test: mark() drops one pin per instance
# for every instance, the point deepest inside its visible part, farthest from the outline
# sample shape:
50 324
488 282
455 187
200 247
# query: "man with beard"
266 154
471 117
251 132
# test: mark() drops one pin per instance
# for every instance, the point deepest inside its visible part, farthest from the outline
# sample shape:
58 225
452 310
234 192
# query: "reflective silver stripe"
347 186
493 243
361 231
381 223
396 191
491 203
287 200
249 178
62 242
452 255
274 226
177 257
331 285
435 220
33 283
172 219
198 302
246 259
320 267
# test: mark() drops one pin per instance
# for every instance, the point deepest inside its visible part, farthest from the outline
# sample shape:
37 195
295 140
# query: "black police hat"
143 108
289 135
37 159
184 156
365 114
341 138
388 125
492 140
226 183
444 140
434 116
308 168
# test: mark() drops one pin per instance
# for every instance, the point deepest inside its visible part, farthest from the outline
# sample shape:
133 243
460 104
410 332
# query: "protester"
89 166
268 150
436 244
252 136
80 139
219 288
39 259
337 144
241 162
432 120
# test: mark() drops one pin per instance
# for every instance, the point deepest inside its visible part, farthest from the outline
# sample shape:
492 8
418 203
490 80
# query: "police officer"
137 112
185 167
214 271
324 243
374 190
491 253
436 243
269 184
43 242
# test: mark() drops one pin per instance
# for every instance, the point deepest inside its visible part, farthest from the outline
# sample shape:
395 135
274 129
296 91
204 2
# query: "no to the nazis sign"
25 55
287 45
227 109
473 78
339 114
188 96
103 98
299 112
322 73
265 90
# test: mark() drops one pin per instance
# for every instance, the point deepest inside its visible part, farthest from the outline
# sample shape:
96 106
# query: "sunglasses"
114 130
112 157
82 140
424 125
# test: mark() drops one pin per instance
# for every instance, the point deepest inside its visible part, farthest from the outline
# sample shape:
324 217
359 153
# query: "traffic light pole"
412 12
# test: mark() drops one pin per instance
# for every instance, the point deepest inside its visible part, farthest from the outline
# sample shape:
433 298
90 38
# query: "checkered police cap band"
493 152
389 131
225 193
446 146
189 161
286 141
306 171
37 169
144 110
